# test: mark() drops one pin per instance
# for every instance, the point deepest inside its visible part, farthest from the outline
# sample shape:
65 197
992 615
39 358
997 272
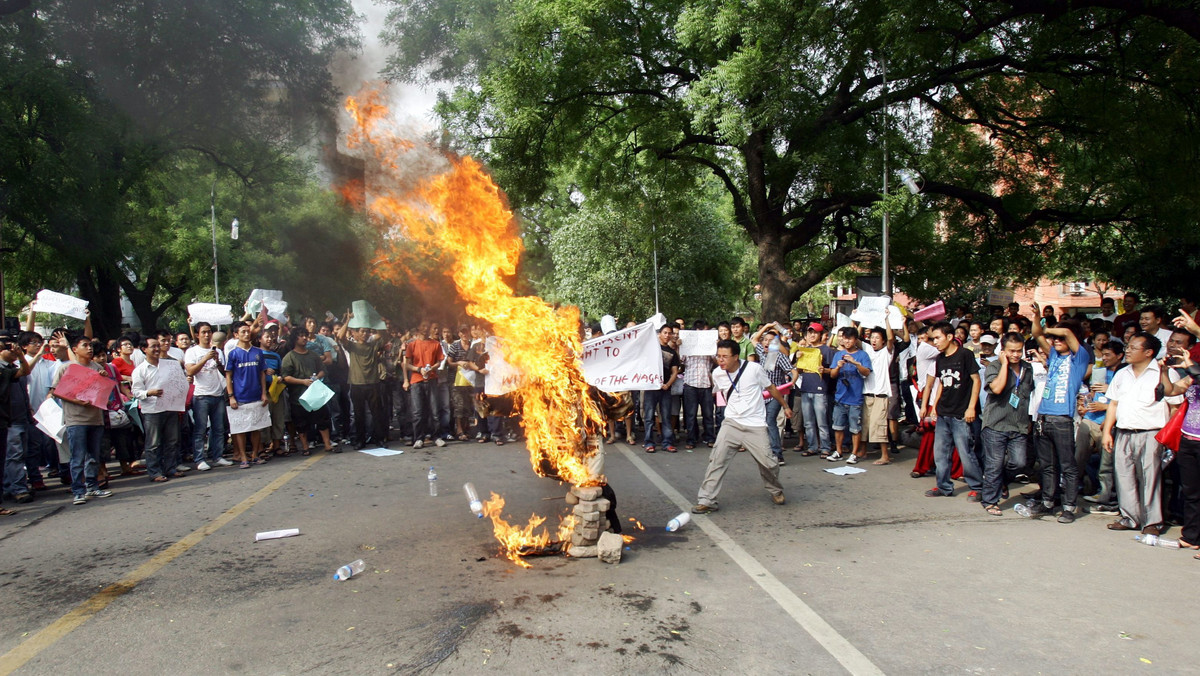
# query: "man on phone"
205 364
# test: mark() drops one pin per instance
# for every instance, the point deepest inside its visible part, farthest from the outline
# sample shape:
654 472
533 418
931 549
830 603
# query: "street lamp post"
213 219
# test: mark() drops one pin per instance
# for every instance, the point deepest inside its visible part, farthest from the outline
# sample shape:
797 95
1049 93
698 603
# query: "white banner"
871 311
630 359
697 343
174 384
213 313
56 303
254 303
501 377
248 417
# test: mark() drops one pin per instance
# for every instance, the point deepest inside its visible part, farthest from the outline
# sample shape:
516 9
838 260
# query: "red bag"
1170 435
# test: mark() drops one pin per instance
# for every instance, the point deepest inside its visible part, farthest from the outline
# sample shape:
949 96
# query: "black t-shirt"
670 358
954 373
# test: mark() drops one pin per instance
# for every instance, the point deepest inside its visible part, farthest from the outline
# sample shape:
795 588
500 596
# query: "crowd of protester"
1070 403
419 386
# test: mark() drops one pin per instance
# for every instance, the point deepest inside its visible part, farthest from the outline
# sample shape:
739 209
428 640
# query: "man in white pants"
740 384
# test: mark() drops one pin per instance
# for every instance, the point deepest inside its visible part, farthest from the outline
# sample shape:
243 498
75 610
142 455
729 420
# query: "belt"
885 396
1129 431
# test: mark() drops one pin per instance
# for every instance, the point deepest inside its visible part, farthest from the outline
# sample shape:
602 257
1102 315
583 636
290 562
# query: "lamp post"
213 220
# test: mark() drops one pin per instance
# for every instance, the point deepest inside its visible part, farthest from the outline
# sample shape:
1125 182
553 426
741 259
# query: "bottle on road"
473 499
349 570
678 522
432 482
1156 541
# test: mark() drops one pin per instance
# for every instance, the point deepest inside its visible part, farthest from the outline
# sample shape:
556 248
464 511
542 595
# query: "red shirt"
123 367
424 352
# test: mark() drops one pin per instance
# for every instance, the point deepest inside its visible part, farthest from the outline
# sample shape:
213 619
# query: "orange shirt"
424 352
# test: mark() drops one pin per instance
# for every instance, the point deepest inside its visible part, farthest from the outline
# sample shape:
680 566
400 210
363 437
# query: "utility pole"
213 218
885 286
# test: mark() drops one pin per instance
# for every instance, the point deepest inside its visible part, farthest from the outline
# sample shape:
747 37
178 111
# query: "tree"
788 106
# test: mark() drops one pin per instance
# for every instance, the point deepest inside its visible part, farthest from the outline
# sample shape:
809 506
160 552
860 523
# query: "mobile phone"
1030 355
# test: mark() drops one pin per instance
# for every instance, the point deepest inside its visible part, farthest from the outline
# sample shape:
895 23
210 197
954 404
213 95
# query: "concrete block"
609 548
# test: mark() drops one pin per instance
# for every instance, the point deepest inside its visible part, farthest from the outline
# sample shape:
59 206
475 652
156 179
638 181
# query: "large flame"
449 208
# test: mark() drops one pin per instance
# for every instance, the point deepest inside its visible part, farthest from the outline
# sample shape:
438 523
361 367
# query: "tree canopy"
1037 129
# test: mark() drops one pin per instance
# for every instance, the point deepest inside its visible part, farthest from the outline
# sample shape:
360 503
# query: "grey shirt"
998 411
75 414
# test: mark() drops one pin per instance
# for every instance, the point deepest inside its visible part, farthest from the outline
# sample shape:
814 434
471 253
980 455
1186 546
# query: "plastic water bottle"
678 522
1022 509
1156 541
473 499
349 570
432 482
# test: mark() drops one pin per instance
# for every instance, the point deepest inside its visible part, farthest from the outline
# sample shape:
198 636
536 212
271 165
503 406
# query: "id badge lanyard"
1014 398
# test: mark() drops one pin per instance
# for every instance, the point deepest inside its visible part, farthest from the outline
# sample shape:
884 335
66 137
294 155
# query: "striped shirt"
697 371
779 372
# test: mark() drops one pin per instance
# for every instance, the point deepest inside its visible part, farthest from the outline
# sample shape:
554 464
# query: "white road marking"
834 643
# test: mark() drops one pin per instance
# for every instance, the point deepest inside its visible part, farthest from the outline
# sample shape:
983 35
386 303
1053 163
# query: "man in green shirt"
363 352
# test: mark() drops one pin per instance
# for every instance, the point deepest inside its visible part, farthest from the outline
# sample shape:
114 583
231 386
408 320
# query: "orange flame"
459 215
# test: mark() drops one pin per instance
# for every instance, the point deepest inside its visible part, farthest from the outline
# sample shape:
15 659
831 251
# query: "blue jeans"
952 433
84 442
659 400
847 416
702 397
773 408
14 460
998 446
208 411
817 434
442 404
424 411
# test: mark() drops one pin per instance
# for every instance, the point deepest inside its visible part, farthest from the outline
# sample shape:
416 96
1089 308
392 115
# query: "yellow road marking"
14 659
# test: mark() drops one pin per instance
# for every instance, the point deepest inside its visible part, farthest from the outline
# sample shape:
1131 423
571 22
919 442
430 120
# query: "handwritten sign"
697 343
213 313
630 359
502 377
174 384
808 360
56 303
255 302
1001 297
83 384
248 417
49 419
315 396
872 311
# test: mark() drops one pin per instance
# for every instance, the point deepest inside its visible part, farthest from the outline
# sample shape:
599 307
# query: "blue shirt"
1064 377
244 367
271 360
850 382
1100 398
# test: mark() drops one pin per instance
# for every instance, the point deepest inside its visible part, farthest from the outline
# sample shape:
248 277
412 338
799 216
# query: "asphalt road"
855 574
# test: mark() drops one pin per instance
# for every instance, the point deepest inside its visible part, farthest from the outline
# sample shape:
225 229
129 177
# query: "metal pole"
654 234
885 285
213 212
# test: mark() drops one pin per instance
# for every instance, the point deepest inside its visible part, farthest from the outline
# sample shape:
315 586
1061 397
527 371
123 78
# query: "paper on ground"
381 452
844 470
276 534
56 303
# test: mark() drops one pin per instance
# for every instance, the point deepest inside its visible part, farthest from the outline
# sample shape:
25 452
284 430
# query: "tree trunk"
103 293
777 286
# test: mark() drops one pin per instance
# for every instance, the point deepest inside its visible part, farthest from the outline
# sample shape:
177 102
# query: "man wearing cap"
815 387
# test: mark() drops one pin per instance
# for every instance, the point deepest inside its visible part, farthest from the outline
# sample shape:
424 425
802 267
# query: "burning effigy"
449 206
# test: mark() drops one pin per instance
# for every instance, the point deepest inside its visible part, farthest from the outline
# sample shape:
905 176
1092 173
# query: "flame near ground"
448 207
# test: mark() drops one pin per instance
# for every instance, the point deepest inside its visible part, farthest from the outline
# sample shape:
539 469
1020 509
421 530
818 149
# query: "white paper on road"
502 377
174 384
56 303
381 452
248 417
630 359
845 470
276 534
697 343
213 313
49 419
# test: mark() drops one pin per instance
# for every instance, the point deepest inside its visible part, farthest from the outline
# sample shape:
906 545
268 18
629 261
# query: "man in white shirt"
740 384
1108 310
161 426
206 366
1137 412
1153 321
877 390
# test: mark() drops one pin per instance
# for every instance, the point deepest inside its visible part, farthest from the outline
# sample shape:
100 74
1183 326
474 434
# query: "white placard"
630 359
254 303
213 313
842 321
56 303
248 417
697 343
501 377
49 419
174 384
872 311
276 309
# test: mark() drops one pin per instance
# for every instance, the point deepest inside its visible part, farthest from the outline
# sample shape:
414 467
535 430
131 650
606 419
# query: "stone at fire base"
572 499
582 551
588 493
609 547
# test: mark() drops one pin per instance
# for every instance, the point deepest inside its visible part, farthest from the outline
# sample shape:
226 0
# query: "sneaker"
203 466
183 468
79 500
439 442
98 493
1107 510
1038 508
702 508
782 462
23 497
419 443
223 463
1067 515
973 496
936 493
778 499
835 456
851 460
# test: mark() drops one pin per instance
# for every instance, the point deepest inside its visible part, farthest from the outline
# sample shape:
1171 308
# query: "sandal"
244 465
809 453
159 479
882 462
260 461
306 452
994 510
4 511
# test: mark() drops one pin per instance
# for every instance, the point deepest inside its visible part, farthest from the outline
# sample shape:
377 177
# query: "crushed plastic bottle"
349 570
1156 541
